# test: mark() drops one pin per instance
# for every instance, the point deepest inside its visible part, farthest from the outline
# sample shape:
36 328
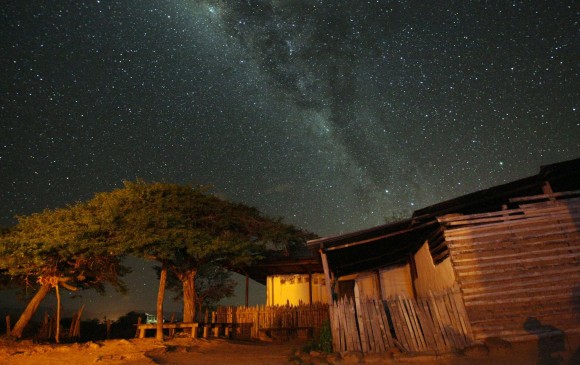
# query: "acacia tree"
184 228
212 284
146 220
63 247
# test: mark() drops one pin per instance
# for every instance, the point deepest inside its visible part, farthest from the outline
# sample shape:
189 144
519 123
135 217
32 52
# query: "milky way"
334 115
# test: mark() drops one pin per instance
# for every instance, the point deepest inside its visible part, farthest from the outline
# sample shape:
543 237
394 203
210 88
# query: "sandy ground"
182 351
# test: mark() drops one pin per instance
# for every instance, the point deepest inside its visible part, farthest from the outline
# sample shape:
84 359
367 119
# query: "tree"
63 247
212 284
184 228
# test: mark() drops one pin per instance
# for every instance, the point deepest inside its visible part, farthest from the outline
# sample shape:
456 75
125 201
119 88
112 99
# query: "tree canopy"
61 247
182 227
185 228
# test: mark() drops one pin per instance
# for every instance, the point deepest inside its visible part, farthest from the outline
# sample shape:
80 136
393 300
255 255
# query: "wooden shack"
511 253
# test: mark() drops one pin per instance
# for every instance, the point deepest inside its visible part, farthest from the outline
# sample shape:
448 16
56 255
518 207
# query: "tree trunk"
160 297
30 310
189 296
57 332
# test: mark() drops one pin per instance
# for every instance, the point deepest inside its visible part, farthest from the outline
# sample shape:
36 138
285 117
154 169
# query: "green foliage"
187 227
65 244
183 227
323 342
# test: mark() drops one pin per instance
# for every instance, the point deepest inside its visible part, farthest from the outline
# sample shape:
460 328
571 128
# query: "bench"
271 333
141 328
225 328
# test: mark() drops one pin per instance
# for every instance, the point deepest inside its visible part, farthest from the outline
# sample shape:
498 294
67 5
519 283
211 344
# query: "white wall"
293 289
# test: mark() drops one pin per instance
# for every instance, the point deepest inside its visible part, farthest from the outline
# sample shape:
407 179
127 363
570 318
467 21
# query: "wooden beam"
247 288
380 284
378 238
327 275
309 288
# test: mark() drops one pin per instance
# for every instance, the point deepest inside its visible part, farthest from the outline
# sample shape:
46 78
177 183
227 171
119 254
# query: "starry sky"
332 114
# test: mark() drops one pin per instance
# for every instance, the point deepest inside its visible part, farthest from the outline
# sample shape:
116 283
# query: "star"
305 110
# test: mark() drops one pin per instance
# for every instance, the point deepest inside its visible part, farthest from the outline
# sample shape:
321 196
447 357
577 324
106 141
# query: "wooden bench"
217 329
272 333
142 328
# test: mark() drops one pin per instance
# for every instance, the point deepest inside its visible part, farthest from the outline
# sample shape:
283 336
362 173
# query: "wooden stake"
58 304
8 326
247 288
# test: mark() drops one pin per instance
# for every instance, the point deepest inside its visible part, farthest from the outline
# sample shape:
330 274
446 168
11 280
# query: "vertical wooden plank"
333 329
138 333
408 327
361 325
380 334
310 288
247 289
380 308
426 325
342 320
440 324
326 275
459 329
354 335
375 324
397 322
437 337
370 326
450 326
416 323
442 310
8 326
463 314
338 327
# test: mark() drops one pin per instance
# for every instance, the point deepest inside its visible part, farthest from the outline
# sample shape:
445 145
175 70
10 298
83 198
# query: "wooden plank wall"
437 324
519 269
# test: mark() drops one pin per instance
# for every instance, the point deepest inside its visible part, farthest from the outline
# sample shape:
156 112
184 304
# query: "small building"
150 318
512 252
291 278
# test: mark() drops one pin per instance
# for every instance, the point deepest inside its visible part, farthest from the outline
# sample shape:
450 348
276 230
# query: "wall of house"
294 289
518 269
396 281
366 286
431 277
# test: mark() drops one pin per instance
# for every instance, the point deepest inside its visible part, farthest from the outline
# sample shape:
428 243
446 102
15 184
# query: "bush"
323 342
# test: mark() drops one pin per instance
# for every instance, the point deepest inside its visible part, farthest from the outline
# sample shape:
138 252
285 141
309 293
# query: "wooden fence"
251 320
437 323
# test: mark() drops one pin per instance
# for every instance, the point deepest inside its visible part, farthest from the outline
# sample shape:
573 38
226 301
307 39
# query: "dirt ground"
182 351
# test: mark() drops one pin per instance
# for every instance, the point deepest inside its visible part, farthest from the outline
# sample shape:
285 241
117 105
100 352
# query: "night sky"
331 114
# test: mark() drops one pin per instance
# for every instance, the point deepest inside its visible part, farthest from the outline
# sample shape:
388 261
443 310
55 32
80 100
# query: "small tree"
58 248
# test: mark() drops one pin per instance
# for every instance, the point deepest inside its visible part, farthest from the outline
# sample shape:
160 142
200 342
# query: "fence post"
8 326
